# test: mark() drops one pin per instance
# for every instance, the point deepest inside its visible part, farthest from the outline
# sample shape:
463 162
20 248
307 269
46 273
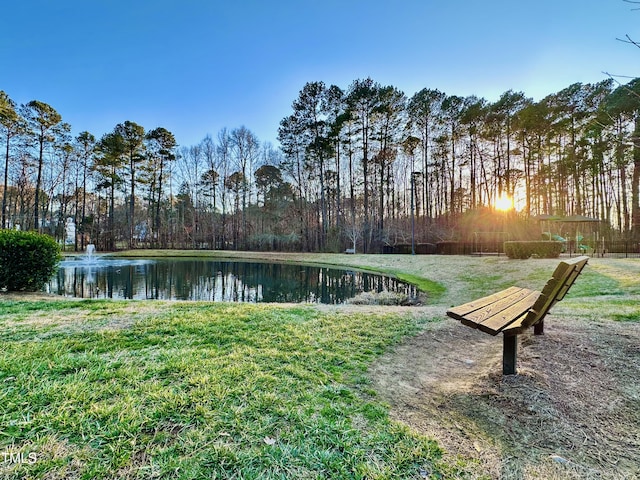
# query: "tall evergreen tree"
505 111
362 100
625 100
310 110
86 144
472 117
44 123
389 118
452 108
133 136
424 112
161 150
109 163
12 124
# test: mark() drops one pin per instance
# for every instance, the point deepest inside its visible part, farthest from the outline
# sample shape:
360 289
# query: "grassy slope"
100 389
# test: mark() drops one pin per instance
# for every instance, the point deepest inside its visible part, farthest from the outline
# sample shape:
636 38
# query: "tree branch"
629 40
613 77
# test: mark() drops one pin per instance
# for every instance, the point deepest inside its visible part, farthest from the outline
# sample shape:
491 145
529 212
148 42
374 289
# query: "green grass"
202 391
434 290
596 280
598 308
122 389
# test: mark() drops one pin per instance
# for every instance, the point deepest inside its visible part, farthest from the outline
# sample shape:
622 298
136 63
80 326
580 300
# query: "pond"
219 280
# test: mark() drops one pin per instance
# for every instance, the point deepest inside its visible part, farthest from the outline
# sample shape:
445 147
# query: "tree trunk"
635 183
132 200
38 182
5 185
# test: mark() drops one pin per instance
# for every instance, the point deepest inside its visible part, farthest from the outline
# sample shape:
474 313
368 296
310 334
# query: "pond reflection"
220 281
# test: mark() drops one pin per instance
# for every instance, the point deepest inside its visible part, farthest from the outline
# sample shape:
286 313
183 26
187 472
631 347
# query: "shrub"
517 250
266 242
27 260
378 298
523 250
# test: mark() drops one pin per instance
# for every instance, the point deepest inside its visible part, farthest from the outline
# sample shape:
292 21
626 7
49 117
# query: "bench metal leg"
509 354
538 328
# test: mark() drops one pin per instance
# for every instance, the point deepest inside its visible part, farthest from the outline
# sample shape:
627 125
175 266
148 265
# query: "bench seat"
492 314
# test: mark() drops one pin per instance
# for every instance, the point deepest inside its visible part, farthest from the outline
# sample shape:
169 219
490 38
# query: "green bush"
519 250
27 260
523 250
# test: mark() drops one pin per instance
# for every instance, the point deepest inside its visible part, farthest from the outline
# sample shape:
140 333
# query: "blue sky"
196 66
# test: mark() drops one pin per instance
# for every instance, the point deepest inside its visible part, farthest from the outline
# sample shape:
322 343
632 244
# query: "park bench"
514 310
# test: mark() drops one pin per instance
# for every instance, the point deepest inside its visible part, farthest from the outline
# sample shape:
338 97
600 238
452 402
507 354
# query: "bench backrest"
555 289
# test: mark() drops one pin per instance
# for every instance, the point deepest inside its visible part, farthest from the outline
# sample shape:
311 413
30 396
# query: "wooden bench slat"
499 305
579 266
498 322
516 327
562 276
461 310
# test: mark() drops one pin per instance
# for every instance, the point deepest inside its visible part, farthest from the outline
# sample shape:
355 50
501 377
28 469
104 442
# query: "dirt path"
572 412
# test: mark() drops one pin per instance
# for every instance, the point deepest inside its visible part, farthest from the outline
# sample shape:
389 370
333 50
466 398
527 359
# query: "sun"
504 203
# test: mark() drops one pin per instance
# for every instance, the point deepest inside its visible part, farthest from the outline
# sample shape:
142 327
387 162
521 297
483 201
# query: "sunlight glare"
504 203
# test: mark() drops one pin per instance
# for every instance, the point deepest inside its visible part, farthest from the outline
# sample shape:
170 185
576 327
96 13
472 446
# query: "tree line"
370 159
360 167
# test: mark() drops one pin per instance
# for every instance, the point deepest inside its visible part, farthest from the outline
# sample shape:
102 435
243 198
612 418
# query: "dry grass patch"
49 449
626 271
70 316
572 412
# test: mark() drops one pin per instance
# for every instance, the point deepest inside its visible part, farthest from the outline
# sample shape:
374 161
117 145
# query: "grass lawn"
189 390
98 389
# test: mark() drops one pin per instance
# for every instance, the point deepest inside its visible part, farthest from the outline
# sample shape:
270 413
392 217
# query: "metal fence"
603 248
